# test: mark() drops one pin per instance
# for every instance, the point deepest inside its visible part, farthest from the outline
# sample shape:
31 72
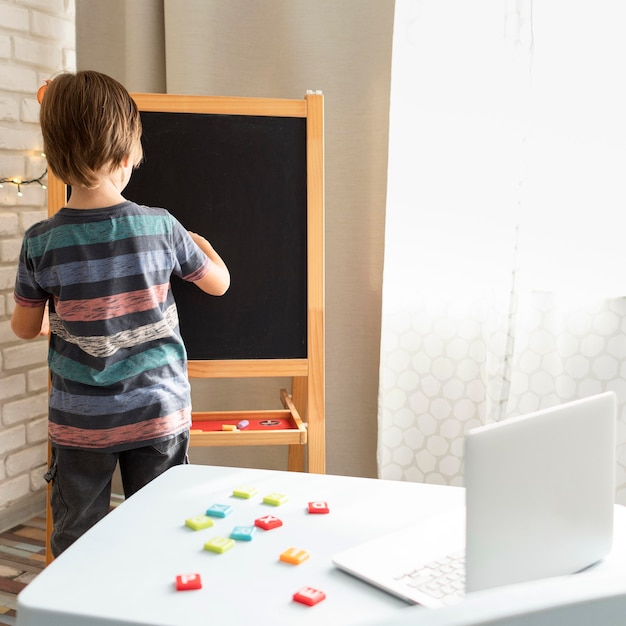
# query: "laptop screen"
540 490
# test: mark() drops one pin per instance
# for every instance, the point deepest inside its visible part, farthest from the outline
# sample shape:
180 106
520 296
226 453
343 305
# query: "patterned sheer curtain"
503 282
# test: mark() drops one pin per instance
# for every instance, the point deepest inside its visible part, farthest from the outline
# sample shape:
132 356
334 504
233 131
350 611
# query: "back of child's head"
89 122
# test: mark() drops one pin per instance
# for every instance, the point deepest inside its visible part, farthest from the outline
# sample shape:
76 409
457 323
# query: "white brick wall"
37 39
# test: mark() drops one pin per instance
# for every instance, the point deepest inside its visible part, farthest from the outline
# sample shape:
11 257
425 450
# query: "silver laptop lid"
540 493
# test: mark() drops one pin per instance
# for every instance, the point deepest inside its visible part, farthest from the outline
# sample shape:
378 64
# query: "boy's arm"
217 280
30 322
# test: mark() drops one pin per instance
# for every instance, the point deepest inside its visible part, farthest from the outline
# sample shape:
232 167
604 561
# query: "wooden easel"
304 405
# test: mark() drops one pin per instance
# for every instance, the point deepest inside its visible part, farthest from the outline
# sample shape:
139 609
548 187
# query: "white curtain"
503 272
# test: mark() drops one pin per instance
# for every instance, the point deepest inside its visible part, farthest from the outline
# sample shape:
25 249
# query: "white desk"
123 571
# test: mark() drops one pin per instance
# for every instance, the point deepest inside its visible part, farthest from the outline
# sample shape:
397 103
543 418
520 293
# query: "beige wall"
282 48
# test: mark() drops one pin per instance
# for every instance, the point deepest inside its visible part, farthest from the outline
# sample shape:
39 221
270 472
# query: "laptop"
539 502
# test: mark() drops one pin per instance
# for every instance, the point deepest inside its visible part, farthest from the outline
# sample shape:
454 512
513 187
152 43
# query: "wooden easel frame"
306 402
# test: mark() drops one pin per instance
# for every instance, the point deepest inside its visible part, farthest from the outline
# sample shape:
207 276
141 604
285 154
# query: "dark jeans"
81 483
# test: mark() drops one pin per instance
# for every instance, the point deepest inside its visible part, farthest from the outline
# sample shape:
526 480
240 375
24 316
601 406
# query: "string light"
20 182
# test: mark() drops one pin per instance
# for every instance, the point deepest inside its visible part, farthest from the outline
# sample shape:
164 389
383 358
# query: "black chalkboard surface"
241 182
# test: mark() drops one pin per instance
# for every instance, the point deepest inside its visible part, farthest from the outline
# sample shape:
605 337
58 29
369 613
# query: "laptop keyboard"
442 579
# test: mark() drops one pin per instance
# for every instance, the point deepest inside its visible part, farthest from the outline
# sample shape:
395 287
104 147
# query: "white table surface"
123 570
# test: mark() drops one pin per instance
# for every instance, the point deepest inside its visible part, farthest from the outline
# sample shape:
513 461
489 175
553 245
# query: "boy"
118 366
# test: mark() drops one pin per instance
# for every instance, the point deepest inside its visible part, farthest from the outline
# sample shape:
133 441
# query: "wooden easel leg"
49 523
297 454
316 449
296 458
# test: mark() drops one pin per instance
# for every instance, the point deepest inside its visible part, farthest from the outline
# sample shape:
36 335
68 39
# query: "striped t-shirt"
118 365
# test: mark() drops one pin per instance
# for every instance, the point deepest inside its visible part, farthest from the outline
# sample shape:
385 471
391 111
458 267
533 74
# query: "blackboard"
247 173
240 181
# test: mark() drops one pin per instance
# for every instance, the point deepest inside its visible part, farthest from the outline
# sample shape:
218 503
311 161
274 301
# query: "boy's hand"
30 322
45 323
217 281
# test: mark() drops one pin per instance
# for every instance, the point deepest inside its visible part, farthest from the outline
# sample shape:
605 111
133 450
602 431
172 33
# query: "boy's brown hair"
88 121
